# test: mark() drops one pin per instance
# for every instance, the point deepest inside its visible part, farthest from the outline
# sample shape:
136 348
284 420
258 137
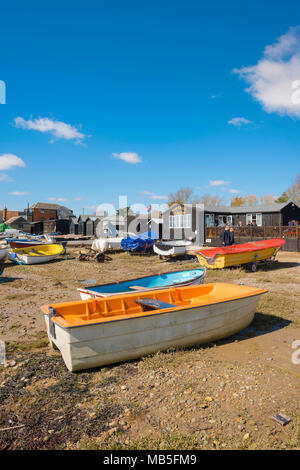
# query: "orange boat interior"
84 312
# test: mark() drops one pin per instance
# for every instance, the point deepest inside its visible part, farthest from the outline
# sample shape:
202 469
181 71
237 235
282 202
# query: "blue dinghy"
140 243
160 281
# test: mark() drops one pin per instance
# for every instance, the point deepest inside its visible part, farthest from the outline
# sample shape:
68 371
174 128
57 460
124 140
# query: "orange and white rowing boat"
96 332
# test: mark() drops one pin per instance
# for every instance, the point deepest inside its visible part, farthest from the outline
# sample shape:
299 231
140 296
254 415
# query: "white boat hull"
88 346
175 248
25 259
3 254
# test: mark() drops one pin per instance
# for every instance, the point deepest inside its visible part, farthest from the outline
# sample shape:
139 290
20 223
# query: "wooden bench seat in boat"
153 304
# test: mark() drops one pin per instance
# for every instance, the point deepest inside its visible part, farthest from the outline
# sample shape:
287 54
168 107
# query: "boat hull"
23 244
3 254
36 254
257 252
89 346
24 259
171 248
187 278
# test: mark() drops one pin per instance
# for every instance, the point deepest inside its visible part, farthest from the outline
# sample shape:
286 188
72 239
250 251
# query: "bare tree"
211 200
293 191
251 200
182 196
237 201
267 199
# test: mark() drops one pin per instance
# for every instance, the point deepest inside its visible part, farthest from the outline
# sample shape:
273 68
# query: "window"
259 220
209 220
229 219
248 219
180 221
256 219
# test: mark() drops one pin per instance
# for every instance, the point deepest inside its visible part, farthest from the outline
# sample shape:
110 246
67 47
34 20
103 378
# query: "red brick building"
6 214
41 211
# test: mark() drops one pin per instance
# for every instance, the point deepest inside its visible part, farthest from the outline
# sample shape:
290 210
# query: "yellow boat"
35 254
235 255
95 332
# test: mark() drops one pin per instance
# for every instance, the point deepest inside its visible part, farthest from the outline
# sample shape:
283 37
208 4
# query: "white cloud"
238 121
234 191
77 198
18 193
155 197
5 177
270 80
218 183
8 161
128 157
59 129
57 199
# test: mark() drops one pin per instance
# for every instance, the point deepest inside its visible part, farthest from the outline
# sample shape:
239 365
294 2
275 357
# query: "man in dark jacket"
225 236
231 235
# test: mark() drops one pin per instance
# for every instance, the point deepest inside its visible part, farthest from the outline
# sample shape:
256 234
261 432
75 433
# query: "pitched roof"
274 207
48 205
85 217
15 219
45 205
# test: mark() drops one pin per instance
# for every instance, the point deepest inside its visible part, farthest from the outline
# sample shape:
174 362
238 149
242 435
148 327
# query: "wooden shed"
73 226
260 215
86 225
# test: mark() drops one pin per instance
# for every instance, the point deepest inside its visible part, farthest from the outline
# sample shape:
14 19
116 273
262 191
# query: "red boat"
247 253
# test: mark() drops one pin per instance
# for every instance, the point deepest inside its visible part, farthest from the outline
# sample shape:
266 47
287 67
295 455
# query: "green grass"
41 341
275 307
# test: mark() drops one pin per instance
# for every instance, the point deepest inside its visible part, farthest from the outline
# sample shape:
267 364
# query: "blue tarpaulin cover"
139 243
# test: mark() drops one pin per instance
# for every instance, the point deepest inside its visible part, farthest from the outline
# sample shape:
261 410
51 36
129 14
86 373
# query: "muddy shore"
217 396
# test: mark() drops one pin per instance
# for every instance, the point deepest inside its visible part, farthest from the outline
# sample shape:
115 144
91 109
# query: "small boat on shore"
35 254
28 242
248 253
3 254
171 248
24 242
96 332
146 283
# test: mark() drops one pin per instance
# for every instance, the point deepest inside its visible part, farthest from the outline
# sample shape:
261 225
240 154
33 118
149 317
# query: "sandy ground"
219 396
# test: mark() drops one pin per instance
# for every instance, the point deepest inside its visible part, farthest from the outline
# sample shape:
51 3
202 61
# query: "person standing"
231 236
225 236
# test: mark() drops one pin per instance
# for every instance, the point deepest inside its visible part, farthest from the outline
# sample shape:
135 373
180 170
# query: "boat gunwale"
82 289
149 313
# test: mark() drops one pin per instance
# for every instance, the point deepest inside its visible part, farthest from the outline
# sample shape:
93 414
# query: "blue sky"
141 98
